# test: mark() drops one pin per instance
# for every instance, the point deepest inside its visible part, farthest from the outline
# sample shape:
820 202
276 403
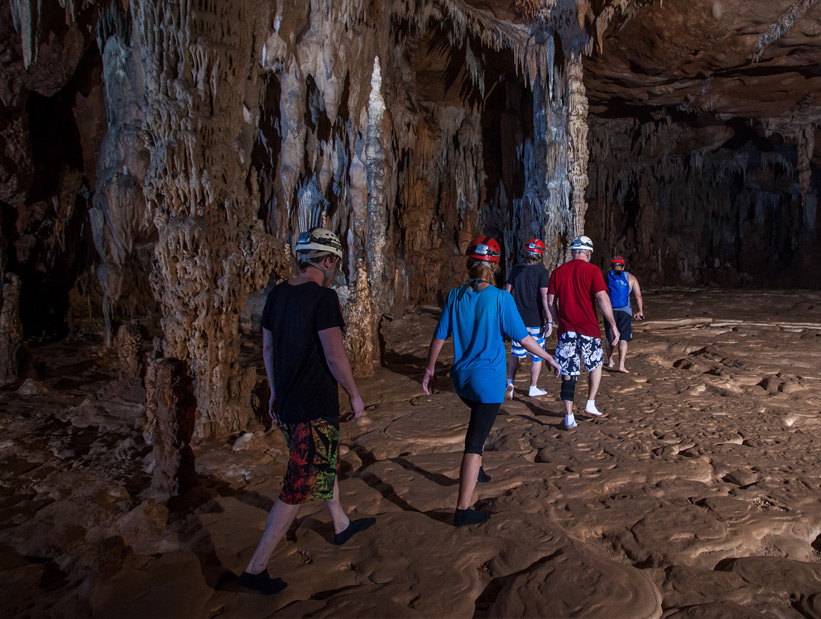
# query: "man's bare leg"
622 356
344 527
535 371
593 382
338 515
276 526
608 352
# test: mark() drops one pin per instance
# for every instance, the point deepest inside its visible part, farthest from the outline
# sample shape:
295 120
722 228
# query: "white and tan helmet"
319 239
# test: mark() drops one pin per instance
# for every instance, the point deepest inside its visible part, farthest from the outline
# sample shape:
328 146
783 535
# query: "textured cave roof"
743 58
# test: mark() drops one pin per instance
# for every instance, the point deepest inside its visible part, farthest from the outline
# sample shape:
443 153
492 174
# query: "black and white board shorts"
573 348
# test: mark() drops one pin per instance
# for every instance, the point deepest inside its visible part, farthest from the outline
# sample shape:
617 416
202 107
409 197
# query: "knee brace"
569 388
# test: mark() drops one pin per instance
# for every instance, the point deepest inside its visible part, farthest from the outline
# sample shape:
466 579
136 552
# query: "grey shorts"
573 348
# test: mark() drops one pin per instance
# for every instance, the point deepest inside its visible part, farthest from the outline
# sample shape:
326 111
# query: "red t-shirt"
575 285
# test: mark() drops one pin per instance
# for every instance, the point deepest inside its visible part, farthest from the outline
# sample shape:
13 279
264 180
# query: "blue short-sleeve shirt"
478 322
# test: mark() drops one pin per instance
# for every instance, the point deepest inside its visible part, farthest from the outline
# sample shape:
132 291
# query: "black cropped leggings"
482 417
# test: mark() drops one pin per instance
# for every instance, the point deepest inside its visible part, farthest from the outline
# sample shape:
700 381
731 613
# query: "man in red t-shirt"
575 285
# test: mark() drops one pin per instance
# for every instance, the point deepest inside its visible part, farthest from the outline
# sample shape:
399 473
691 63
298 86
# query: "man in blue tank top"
620 284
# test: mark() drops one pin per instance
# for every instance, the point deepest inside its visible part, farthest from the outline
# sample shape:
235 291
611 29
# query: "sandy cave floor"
697 494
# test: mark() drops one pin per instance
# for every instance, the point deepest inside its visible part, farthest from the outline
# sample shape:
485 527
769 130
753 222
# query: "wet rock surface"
696 494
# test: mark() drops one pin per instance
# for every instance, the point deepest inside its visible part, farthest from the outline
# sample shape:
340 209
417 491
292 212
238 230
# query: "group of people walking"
305 359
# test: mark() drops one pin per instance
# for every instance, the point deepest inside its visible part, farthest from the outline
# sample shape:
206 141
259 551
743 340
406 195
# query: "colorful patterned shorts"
314 461
574 348
537 333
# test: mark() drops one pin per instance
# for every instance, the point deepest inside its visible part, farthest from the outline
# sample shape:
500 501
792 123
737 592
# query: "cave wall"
197 138
689 199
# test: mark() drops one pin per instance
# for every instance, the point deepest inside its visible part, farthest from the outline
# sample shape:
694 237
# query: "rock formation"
196 139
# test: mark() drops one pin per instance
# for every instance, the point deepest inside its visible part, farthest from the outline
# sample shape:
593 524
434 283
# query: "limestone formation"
174 405
682 133
129 350
11 329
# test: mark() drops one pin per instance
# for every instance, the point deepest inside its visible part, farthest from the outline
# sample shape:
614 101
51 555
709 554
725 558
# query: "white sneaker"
509 391
535 391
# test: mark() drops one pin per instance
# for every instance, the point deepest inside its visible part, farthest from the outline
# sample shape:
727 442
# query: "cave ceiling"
729 58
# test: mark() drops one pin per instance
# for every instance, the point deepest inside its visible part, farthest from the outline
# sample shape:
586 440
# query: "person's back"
305 387
526 281
618 288
575 285
478 321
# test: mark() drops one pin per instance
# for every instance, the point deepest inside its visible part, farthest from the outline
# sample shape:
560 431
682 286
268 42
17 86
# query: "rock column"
200 70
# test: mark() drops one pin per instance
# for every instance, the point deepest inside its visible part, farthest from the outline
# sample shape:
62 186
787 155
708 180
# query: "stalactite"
121 227
782 27
202 94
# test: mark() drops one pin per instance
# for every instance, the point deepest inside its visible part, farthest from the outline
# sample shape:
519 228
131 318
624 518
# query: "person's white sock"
509 381
591 409
569 420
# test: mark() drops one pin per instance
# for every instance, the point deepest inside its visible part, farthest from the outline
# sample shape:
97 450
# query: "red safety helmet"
535 247
484 248
617 260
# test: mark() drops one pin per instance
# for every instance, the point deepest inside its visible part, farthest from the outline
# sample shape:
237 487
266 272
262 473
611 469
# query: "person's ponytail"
480 270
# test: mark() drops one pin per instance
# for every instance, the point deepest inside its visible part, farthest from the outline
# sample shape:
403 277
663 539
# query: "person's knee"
568 388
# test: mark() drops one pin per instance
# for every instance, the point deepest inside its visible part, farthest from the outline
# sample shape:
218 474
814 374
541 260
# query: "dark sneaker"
354 527
483 477
260 583
465 517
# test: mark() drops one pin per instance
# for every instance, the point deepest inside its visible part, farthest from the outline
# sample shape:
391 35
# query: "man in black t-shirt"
529 281
305 358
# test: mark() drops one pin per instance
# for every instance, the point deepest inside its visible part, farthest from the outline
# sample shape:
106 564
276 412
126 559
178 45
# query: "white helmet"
581 243
319 239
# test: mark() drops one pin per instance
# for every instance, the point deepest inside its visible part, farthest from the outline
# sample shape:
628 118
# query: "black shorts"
624 322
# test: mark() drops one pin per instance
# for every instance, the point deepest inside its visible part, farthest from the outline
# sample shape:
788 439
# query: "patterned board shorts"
573 348
537 333
314 461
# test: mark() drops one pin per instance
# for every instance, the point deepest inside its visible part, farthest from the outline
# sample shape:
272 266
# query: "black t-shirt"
305 388
526 280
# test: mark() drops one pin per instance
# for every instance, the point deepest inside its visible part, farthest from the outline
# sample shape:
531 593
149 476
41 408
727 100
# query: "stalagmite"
11 329
171 393
129 350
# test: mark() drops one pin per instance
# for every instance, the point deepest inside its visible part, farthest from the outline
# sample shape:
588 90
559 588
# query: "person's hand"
548 330
271 412
638 316
616 335
429 381
358 406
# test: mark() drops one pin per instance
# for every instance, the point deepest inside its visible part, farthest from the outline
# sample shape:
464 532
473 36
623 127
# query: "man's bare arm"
607 310
334 348
268 360
636 290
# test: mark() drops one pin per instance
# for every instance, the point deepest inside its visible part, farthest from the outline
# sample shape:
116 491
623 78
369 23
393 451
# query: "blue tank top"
618 287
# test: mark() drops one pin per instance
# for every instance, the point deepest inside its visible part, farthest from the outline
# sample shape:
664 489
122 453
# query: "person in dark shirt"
577 285
305 358
529 282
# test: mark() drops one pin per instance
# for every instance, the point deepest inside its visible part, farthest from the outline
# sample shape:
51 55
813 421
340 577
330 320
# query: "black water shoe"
464 517
483 477
260 583
354 527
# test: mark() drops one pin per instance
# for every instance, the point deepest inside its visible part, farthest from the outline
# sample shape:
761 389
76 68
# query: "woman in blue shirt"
478 315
